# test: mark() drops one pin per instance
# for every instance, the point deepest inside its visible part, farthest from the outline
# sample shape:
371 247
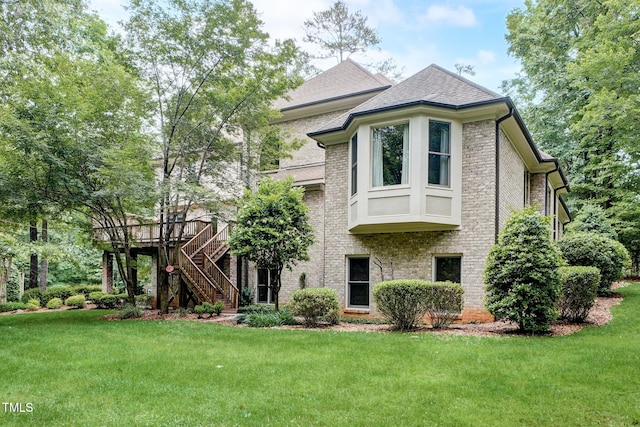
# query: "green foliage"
77 301
256 308
107 301
579 88
33 293
204 308
12 306
85 289
578 292
268 320
144 300
61 292
596 250
315 304
245 298
218 307
32 305
13 290
339 33
404 303
445 301
591 219
130 311
273 228
521 274
54 303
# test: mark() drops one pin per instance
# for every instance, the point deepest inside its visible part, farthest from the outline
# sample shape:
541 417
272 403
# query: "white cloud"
486 57
460 16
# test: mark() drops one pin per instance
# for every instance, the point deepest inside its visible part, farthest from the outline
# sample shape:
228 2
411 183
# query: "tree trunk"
33 262
5 273
44 264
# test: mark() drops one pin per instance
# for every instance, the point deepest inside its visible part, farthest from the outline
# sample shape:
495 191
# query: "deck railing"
150 233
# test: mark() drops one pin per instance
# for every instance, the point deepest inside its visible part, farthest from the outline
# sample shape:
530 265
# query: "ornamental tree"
523 283
273 229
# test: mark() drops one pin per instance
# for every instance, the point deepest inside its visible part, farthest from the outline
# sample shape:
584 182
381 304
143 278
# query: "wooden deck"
148 235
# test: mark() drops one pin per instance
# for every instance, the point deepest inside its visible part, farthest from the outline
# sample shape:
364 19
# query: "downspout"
497 207
324 220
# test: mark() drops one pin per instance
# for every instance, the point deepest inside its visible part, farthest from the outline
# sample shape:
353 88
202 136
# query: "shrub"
578 292
444 303
13 290
596 250
144 300
245 298
256 308
33 293
204 308
54 303
85 289
315 304
130 312
94 297
402 302
106 301
267 320
77 301
11 306
62 292
218 307
32 305
521 274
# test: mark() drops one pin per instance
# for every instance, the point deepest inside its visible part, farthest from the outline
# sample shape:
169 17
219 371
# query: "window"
390 155
439 153
354 164
264 291
358 284
448 268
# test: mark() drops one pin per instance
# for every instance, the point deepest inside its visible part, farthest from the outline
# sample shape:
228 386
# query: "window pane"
448 268
390 155
439 169
262 277
263 294
358 294
358 269
439 137
354 164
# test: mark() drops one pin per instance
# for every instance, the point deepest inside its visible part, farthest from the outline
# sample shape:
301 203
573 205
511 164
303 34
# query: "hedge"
579 288
315 304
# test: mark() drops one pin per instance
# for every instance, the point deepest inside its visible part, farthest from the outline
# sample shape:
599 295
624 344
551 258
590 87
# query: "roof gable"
434 85
345 79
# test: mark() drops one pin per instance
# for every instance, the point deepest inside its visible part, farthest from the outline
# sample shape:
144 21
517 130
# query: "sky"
414 33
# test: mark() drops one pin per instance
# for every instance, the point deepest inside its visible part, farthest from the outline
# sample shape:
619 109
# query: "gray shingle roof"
346 78
433 85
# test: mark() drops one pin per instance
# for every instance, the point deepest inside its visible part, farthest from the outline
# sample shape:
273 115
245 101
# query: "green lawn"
74 369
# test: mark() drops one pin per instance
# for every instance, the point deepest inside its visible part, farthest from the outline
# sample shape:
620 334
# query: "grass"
75 369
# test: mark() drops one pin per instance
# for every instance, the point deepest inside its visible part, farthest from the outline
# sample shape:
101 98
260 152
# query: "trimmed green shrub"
444 303
107 301
315 304
94 297
130 312
596 250
521 274
32 305
54 303
11 306
85 289
33 293
218 307
204 308
77 301
62 292
13 289
402 302
578 292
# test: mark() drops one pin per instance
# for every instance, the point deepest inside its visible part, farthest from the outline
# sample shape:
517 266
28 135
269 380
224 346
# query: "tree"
213 76
72 119
581 74
591 219
521 274
339 32
273 229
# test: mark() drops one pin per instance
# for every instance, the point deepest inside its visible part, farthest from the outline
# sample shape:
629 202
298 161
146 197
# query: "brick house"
413 180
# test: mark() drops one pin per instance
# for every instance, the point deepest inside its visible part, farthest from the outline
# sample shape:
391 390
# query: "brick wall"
412 253
511 179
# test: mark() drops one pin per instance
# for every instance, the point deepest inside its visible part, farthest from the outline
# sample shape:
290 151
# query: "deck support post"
107 272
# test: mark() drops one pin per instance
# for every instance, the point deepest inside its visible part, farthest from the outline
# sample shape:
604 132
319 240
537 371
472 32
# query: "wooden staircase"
200 272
